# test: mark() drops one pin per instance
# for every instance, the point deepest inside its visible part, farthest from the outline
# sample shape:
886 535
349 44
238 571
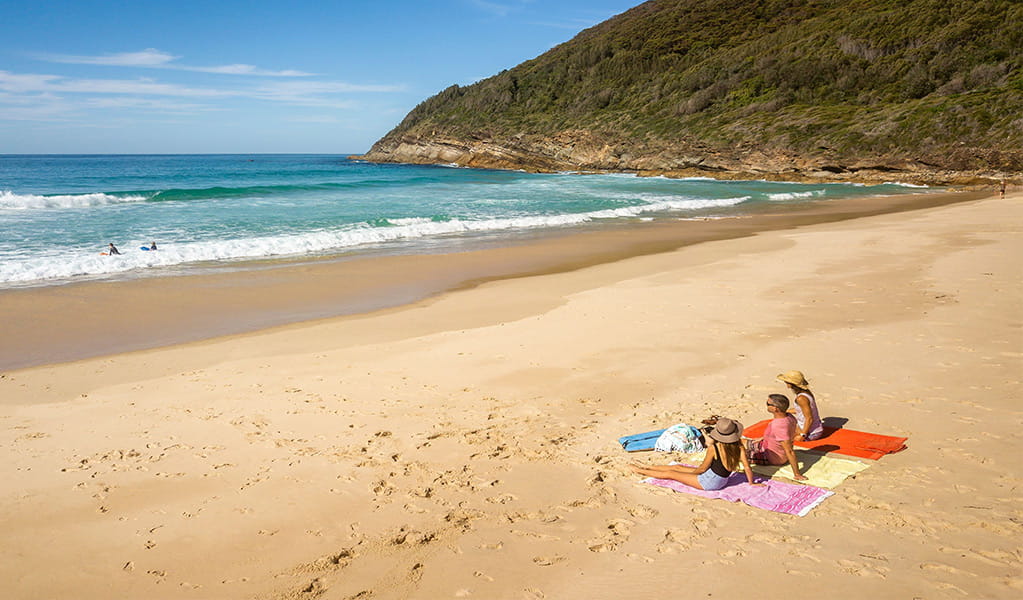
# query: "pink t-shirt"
778 431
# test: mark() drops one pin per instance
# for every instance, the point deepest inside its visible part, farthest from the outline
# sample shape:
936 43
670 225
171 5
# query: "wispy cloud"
151 58
35 96
288 90
29 83
147 104
33 107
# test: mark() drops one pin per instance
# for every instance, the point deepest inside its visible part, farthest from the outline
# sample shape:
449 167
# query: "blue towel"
640 441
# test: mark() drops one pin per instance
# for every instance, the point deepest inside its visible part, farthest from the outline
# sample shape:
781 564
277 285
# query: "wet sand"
76 321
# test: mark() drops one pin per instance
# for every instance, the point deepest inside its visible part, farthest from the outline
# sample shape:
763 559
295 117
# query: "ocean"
59 213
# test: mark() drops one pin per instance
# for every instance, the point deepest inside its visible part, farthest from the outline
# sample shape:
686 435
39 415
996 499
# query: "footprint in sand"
643 513
931 566
862 569
675 540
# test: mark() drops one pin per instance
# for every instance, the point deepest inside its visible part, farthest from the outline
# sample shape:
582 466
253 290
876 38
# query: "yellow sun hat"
795 378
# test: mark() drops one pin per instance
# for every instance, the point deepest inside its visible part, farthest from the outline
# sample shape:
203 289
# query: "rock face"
921 91
582 151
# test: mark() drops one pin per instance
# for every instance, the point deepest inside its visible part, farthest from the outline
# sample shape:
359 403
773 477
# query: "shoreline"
465 446
148 313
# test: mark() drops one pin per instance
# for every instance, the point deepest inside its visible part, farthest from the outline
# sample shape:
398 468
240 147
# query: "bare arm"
790 453
804 405
746 468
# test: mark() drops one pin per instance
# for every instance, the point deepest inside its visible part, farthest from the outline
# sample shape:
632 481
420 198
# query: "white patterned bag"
680 438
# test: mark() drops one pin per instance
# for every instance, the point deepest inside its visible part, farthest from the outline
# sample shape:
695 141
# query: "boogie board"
146 248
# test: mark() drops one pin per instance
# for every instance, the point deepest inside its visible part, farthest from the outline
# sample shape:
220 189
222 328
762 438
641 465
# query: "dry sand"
464 446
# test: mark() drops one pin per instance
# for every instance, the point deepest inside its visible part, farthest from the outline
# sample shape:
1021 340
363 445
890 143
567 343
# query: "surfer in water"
113 250
152 246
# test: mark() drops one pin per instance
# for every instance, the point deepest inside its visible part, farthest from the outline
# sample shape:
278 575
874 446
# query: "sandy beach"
464 445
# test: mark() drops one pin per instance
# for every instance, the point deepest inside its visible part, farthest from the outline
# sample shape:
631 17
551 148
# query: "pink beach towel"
775 496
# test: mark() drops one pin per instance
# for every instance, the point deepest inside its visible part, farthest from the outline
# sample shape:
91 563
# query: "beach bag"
680 438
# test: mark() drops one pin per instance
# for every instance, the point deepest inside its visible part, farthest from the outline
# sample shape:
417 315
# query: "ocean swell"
11 201
65 263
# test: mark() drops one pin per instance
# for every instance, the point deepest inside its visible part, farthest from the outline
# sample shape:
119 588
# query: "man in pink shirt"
775 448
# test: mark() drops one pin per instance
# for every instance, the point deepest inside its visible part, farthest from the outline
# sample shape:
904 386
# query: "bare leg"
673 472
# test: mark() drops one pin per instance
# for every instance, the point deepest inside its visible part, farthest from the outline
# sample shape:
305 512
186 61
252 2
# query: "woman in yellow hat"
808 418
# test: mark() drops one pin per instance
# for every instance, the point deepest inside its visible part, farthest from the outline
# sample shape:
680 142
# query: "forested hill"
846 88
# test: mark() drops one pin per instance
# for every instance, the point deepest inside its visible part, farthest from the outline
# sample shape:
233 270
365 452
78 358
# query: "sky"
251 76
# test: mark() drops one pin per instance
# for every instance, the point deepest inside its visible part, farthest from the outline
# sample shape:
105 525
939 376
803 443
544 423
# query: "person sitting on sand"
113 250
725 454
775 448
804 404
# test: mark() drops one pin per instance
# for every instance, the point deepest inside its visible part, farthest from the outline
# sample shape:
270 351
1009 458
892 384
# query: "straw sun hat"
726 431
795 378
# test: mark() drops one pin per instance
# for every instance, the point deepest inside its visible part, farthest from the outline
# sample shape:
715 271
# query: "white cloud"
157 59
149 104
298 89
27 83
34 96
34 107
150 57
241 69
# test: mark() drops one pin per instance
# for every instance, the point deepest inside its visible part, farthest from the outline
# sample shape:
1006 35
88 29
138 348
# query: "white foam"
409 221
794 195
908 185
63 263
11 201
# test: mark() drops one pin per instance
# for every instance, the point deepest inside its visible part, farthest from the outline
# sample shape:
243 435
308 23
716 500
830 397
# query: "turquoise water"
58 213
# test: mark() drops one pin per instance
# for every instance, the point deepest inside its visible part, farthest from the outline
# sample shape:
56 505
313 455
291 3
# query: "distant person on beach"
804 409
775 448
725 455
1002 192
113 250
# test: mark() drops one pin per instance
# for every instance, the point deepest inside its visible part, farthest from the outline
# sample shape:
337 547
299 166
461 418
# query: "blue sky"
85 76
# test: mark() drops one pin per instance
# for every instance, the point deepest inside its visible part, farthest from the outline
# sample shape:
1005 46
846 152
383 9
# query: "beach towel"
849 442
777 496
821 470
640 441
680 438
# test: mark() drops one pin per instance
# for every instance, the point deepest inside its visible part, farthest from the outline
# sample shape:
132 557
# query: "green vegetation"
938 80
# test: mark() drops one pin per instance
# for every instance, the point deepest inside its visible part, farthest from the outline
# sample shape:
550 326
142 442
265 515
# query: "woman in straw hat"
804 405
725 454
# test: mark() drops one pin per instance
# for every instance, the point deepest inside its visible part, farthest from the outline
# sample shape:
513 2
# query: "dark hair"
779 400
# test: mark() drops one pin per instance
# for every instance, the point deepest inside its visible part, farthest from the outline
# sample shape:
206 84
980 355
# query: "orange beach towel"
842 441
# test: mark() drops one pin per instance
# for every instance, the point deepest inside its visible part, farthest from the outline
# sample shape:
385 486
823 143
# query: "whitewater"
59 213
